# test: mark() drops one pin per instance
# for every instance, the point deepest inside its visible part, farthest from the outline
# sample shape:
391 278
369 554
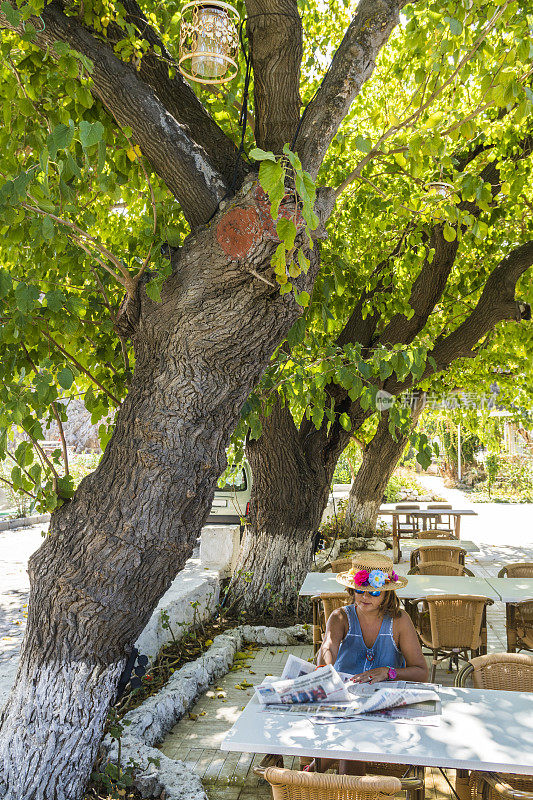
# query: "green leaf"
54 300
12 15
448 232
90 133
47 227
262 155
286 230
303 261
278 260
26 297
346 422
302 298
455 26
154 286
6 283
271 178
65 378
59 139
362 144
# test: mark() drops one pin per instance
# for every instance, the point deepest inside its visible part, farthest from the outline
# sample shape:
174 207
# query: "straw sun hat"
371 571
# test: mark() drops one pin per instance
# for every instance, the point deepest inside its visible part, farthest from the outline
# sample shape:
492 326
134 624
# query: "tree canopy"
433 152
433 168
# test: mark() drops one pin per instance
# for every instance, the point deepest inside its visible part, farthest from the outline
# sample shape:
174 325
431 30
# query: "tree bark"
380 458
289 494
114 549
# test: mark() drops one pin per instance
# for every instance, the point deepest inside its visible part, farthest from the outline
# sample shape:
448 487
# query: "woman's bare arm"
415 668
336 630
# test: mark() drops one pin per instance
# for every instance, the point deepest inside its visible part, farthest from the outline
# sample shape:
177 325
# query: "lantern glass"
209 42
211 64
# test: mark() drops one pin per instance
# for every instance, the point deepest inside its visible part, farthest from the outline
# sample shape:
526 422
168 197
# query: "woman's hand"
372 675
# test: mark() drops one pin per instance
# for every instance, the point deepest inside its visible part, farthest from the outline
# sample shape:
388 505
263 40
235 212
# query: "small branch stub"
209 42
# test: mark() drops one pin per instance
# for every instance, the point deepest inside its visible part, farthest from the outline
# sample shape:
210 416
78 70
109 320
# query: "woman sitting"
372 639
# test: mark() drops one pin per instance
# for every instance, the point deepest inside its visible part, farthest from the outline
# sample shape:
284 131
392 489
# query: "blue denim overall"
355 657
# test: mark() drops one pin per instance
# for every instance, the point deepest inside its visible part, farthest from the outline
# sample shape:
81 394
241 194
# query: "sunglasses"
372 594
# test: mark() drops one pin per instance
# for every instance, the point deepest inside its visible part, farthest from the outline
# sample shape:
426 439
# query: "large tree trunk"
380 458
289 494
114 549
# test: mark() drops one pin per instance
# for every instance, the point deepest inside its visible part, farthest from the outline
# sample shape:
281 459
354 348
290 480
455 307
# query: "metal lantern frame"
445 190
227 36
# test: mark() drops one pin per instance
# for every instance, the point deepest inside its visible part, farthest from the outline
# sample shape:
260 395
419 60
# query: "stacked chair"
410 525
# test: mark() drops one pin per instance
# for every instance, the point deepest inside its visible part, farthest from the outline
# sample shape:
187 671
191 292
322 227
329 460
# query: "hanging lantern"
209 42
444 190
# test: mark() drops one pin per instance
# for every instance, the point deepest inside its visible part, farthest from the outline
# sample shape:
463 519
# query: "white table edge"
498 588
417 761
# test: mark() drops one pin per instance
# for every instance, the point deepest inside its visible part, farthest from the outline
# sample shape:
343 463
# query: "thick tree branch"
497 303
352 65
168 145
178 98
274 31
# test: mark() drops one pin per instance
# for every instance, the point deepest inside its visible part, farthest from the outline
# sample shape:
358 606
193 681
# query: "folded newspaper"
329 695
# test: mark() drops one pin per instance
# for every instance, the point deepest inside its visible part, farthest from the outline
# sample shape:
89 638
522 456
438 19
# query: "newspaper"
322 684
296 667
326 696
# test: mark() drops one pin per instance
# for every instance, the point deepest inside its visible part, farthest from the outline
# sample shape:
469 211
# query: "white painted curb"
152 720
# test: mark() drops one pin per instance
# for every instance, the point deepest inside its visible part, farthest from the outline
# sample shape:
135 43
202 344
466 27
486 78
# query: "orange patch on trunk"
238 231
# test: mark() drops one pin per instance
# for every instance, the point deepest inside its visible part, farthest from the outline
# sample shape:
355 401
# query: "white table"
418 586
513 590
480 729
465 544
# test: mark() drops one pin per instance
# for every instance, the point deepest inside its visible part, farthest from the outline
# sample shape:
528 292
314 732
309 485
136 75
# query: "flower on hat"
360 577
394 576
377 578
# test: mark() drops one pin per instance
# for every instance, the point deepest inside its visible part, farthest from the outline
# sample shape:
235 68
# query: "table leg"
510 626
483 648
458 527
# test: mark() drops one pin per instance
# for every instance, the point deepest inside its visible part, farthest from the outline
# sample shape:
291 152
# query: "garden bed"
133 744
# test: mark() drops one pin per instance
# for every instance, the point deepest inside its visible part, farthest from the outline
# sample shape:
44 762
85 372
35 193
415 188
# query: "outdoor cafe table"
480 729
424 514
465 544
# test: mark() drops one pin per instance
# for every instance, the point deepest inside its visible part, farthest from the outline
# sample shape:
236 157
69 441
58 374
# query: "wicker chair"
491 786
510 671
519 616
451 626
288 784
513 672
411 525
437 552
341 565
322 605
523 569
440 568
